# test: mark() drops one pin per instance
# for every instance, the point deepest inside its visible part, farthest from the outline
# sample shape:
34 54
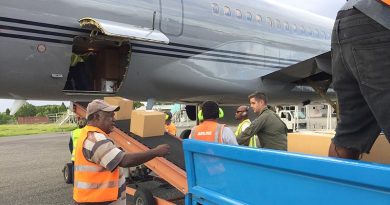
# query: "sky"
326 8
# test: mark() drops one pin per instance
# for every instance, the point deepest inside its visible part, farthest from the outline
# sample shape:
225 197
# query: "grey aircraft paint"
218 50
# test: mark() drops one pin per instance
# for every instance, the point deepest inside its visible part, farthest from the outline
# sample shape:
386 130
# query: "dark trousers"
361 77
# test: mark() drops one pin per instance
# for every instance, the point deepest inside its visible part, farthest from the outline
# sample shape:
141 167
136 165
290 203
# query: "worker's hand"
162 150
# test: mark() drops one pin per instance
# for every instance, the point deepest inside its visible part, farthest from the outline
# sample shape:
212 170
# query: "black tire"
143 197
185 134
68 173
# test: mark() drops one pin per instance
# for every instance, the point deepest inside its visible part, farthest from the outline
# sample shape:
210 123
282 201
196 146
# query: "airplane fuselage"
217 50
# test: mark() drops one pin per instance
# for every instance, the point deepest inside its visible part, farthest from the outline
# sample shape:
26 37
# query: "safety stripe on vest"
106 185
253 141
86 168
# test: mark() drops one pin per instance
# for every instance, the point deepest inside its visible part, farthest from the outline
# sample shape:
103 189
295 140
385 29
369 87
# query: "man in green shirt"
270 129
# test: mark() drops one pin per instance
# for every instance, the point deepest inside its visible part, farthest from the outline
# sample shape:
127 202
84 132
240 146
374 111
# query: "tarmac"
30 169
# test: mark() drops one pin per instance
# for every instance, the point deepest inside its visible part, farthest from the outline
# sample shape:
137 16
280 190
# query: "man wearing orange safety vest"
209 129
361 76
98 177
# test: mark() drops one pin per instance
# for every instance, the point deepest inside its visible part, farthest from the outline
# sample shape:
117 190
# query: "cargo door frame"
112 35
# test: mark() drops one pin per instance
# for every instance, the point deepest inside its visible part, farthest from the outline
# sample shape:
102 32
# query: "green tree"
7 111
4 118
63 107
27 110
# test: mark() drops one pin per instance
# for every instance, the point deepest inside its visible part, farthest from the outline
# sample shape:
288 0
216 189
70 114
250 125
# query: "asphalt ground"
31 171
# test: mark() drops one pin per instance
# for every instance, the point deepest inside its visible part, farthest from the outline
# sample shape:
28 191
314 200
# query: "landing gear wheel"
68 173
143 197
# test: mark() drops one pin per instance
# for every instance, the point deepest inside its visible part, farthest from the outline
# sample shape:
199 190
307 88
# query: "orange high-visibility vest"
386 2
92 182
208 131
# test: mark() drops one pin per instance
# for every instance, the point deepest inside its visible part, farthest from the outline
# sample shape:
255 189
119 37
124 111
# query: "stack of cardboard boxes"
144 123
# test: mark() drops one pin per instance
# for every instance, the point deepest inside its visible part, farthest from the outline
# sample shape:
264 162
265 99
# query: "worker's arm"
100 150
134 159
254 128
228 136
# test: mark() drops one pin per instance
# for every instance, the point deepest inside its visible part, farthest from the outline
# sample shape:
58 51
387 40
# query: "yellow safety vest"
76 59
252 141
75 137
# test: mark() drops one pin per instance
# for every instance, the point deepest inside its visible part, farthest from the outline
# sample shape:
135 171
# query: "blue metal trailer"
222 174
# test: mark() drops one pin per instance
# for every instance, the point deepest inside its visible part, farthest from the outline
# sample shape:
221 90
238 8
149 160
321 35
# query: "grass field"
13 130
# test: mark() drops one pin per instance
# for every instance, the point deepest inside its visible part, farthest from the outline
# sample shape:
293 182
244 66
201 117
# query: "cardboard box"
126 107
318 144
147 123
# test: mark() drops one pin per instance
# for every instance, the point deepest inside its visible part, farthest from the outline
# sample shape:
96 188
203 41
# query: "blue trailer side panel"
222 174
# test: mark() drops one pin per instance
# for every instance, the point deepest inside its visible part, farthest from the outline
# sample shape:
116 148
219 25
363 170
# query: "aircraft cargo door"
171 17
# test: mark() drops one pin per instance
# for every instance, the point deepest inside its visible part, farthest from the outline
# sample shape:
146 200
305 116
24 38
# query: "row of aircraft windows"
274 23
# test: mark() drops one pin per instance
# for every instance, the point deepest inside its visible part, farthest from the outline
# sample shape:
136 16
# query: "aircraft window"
269 21
215 8
249 16
309 31
301 29
286 26
294 28
226 11
258 18
323 34
238 14
278 24
316 32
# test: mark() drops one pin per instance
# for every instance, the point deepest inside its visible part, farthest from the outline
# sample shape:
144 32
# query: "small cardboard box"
147 123
126 107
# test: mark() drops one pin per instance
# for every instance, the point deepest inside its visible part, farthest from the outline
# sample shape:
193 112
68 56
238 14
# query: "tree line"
29 110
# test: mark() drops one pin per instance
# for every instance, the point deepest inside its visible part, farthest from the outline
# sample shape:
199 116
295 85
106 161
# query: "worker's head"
258 101
101 115
168 117
210 110
242 112
81 122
